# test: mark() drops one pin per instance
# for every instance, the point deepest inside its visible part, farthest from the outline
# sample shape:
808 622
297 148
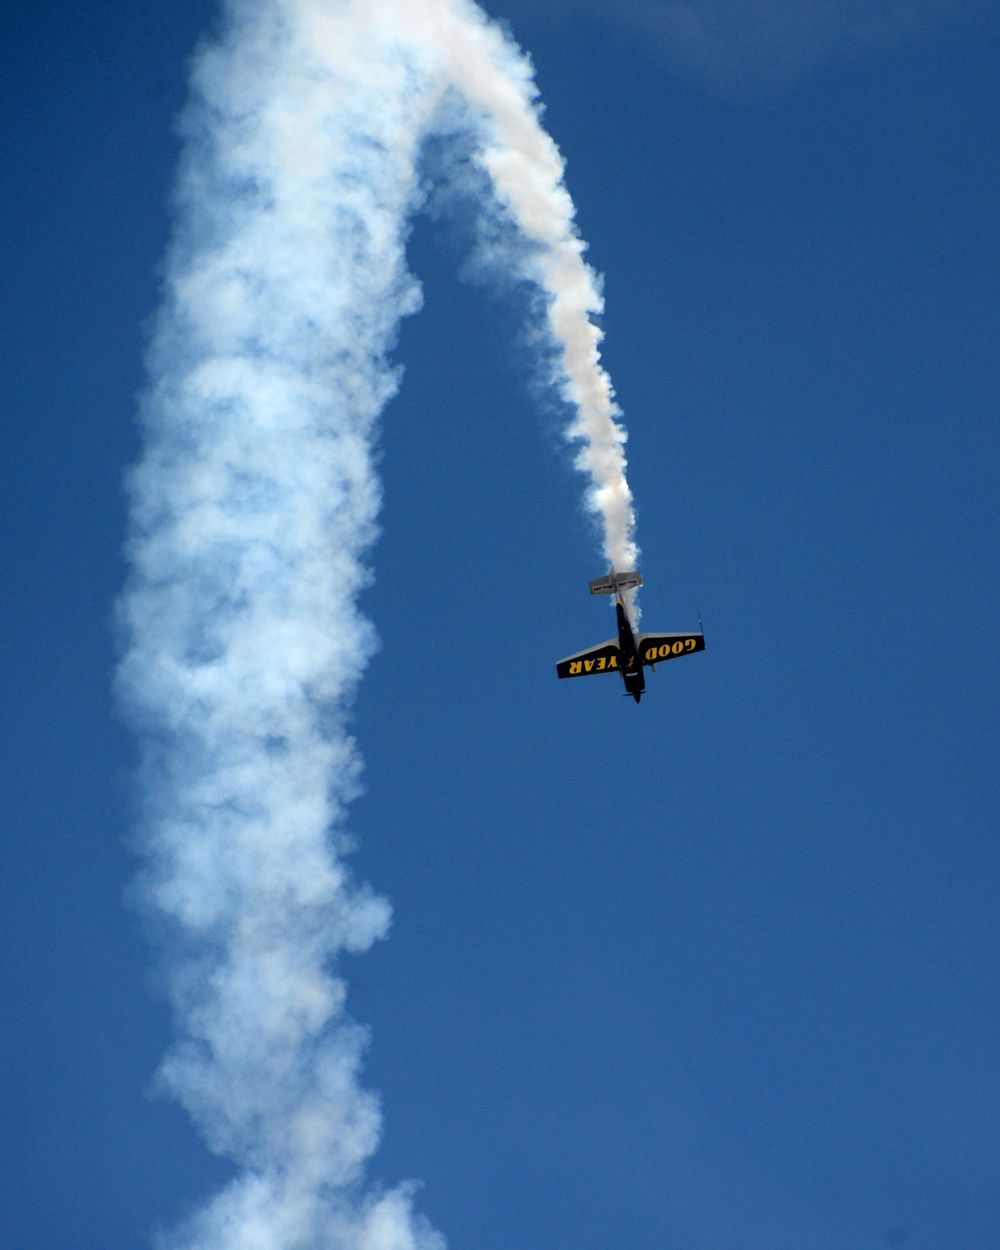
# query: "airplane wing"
656 648
596 660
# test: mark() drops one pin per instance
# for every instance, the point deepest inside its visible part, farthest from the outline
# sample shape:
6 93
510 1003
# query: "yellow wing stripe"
601 659
655 648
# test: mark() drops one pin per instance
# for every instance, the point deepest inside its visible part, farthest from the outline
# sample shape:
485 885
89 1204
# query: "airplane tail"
614 583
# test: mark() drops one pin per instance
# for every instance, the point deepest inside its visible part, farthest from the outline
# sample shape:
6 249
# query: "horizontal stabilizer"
602 659
657 648
615 582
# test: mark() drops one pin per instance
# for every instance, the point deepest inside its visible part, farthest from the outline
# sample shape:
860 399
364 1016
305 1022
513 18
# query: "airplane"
630 652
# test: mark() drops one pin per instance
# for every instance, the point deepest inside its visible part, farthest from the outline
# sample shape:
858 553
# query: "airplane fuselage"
630 661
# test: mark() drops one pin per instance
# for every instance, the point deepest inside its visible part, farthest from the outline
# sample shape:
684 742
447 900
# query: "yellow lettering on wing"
588 666
576 667
601 664
612 661
690 643
651 654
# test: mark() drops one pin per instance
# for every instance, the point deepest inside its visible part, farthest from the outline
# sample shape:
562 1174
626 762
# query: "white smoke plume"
252 513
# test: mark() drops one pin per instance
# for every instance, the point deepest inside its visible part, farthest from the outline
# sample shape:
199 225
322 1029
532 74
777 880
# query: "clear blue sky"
719 972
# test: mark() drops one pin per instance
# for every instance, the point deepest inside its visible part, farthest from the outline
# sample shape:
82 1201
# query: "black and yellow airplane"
629 652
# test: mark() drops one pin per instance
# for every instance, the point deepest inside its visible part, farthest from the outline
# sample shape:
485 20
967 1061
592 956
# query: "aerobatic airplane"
629 652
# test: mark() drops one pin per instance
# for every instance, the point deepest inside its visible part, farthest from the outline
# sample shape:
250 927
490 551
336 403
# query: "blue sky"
716 971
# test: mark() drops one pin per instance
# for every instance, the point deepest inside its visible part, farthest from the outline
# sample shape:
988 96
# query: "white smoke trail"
527 171
252 512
